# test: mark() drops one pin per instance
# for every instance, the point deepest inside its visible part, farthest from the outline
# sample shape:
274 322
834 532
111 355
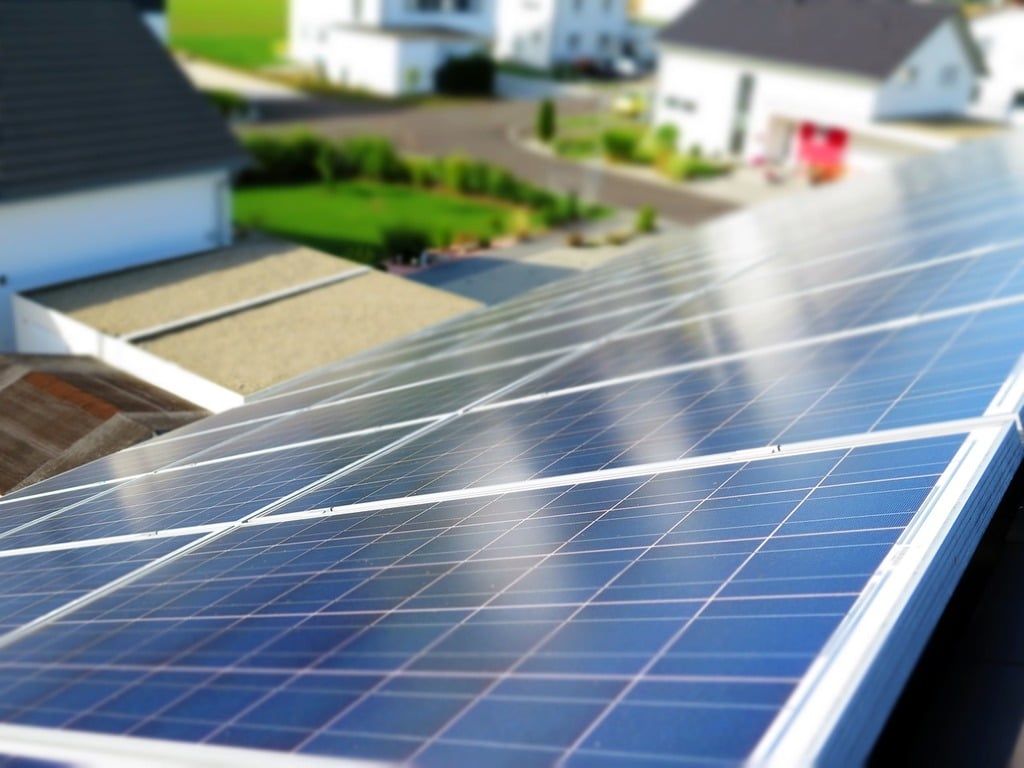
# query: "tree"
546 121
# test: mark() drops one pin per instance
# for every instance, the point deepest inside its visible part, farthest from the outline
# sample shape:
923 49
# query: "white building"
811 81
1000 36
395 47
124 164
661 11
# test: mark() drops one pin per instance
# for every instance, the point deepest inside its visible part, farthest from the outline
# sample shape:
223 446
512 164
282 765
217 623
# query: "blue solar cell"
521 627
33 584
218 492
943 370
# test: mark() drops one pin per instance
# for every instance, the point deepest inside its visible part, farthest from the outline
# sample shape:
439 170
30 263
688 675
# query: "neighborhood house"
396 47
817 82
144 178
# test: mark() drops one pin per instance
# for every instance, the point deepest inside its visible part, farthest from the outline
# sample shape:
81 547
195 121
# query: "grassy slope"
244 33
349 220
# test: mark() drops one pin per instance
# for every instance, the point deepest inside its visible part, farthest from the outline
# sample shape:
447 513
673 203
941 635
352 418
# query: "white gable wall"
936 79
66 237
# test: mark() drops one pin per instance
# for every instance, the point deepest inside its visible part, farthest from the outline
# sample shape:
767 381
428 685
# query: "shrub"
576 146
666 137
618 238
686 167
282 160
405 244
466 76
229 104
620 144
423 172
546 121
646 220
576 240
372 157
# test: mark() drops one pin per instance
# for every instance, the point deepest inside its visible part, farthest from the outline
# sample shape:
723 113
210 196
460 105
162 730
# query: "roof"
870 38
59 412
228 315
88 97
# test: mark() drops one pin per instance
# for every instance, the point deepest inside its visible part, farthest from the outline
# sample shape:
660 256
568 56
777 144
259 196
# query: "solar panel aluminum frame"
80 748
841 704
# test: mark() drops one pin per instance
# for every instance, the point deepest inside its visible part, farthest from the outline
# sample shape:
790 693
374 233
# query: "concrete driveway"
482 129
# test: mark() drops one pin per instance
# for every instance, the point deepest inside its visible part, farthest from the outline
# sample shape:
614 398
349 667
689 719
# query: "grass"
242 33
350 219
579 136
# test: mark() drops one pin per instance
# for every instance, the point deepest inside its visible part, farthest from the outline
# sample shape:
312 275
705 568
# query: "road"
482 130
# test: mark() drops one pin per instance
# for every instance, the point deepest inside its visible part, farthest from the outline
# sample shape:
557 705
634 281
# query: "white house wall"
524 32
59 238
599 27
1001 39
364 60
936 79
697 93
663 10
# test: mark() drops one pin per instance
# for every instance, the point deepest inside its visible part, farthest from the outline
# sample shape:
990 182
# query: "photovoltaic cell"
213 493
944 370
453 633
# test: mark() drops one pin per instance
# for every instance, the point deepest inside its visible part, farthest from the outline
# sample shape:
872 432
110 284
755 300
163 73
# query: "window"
950 74
680 104
607 6
573 41
577 5
604 42
908 75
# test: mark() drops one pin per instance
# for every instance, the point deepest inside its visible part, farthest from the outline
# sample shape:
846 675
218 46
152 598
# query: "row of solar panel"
452 632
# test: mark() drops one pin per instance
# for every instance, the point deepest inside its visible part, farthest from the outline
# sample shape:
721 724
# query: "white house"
111 160
1000 36
661 11
395 47
390 47
547 33
812 81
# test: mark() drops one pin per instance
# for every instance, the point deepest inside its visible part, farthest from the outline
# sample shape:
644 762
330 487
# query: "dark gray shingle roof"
863 37
88 97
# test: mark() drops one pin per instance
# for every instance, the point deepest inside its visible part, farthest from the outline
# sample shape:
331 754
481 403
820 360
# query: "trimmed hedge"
301 158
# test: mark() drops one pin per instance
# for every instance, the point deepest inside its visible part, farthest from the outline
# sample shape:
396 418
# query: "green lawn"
349 220
243 33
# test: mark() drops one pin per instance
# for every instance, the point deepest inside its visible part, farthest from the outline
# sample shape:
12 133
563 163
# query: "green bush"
405 244
547 121
576 146
620 144
466 76
666 137
687 167
372 157
282 160
228 103
646 220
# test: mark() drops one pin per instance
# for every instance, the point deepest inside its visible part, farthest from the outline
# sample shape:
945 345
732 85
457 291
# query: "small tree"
547 121
646 220
326 166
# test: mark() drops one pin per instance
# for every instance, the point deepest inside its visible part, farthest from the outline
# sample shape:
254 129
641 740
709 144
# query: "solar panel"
701 505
